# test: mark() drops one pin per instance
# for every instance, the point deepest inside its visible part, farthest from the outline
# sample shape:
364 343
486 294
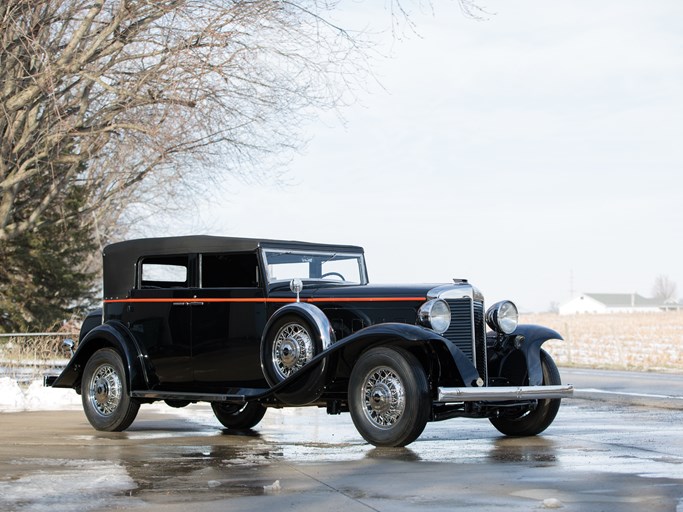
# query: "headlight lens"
503 317
436 315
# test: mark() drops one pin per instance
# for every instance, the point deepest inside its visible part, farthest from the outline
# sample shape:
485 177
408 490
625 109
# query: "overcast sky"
534 153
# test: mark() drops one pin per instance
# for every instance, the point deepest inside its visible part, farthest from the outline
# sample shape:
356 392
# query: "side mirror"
69 345
296 285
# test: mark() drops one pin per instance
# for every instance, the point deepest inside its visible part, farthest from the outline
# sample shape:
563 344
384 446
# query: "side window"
164 272
229 270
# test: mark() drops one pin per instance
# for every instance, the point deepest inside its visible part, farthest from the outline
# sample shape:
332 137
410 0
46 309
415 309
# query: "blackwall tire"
389 397
238 417
104 392
289 345
531 423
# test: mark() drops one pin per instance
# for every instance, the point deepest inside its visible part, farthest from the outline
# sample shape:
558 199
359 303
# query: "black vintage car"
249 324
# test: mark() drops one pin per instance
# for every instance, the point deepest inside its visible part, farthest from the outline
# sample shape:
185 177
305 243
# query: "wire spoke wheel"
389 396
105 390
384 397
293 347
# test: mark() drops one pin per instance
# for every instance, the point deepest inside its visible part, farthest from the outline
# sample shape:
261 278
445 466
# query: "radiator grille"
467 331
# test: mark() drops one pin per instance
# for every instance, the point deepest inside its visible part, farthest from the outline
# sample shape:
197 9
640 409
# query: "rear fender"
113 335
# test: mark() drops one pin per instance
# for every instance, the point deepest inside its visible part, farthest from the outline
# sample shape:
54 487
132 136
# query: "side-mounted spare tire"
289 345
104 392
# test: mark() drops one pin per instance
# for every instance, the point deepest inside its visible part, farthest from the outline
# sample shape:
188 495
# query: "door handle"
193 303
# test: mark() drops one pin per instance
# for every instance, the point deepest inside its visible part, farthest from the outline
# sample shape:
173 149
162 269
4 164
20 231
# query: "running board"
504 393
190 397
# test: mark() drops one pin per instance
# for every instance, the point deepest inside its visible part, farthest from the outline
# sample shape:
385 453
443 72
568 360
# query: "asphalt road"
597 456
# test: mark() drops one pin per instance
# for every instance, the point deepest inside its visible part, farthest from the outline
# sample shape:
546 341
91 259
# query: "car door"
227 320
159 317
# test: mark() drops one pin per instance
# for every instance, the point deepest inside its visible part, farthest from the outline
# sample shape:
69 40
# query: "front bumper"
490 394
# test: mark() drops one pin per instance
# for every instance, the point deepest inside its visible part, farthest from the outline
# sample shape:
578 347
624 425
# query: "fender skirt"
534 337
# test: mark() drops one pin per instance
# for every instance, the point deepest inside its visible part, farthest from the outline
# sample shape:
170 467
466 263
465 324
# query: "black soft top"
120 259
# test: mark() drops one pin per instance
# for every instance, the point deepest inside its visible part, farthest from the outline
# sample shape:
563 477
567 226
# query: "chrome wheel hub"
383 397
292 349
105 390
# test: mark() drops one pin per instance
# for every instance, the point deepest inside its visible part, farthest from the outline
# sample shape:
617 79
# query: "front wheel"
389 397
532 422
238 417
104 392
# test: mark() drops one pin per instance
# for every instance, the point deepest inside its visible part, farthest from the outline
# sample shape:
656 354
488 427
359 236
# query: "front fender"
298 389
407 334
534 337
114 335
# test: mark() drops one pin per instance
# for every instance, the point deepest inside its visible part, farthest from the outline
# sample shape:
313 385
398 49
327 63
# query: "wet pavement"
596 456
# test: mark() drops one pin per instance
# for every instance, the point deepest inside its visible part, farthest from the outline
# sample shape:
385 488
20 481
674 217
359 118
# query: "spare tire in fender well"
308 382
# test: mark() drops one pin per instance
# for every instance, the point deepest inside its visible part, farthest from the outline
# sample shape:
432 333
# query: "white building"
602 303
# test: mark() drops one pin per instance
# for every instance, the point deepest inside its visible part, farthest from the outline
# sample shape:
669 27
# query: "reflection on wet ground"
591 456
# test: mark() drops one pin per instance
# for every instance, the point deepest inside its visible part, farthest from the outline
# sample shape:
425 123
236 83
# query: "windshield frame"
324 255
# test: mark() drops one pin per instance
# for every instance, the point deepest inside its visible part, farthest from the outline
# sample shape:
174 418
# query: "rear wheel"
389 397
238 416
105 394
529 422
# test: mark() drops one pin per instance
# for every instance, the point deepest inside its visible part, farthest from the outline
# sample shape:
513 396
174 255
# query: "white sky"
534 151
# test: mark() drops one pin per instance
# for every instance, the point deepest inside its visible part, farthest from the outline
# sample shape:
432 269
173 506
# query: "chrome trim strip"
504 393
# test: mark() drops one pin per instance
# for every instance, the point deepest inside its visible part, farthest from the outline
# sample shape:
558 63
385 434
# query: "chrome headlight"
435 314
503 317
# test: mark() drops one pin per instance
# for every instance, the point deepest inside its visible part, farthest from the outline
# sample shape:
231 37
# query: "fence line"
26 357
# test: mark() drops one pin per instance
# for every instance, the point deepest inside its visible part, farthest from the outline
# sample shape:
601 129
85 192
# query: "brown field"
625 341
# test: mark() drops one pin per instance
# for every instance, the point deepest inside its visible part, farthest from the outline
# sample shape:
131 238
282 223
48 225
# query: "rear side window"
229 270
164 272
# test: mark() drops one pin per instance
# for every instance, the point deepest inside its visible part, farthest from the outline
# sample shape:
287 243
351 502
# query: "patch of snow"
11 396
273 488
35 397
552 503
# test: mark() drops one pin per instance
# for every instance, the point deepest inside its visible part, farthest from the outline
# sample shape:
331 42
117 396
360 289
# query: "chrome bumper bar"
494 393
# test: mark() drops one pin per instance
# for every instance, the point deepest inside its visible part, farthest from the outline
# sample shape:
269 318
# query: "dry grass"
26 358
626 341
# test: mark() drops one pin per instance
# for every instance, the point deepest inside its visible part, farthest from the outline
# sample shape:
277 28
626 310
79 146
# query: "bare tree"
106 104
664 289
113 94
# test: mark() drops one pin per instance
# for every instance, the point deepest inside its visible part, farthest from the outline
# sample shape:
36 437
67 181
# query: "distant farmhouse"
602 303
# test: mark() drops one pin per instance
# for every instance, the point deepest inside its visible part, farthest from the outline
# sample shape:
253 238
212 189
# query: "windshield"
285 265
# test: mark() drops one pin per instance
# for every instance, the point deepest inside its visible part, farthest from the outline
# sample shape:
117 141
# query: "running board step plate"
496 393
